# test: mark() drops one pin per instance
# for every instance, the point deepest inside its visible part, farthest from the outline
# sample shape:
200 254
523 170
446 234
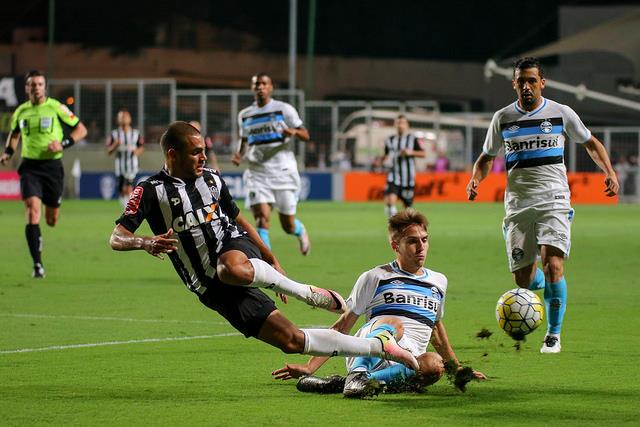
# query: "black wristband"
67 142
8 150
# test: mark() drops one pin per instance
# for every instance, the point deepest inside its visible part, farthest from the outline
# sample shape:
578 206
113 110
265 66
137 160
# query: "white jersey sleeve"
291 117
362 293
576 131
493 142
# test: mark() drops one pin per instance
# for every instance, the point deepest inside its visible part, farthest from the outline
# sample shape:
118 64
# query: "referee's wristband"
67 142
8 150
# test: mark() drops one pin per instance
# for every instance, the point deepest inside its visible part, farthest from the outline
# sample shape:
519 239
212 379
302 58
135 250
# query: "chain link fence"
345 135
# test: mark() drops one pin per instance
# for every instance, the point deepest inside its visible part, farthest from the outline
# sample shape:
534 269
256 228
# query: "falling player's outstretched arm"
292 370
600 157
440 341
124 240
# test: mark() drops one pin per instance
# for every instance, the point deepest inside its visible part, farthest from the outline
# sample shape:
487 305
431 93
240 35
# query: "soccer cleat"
392 351
551 344
305 243
327 385
327 299
358 385
38 271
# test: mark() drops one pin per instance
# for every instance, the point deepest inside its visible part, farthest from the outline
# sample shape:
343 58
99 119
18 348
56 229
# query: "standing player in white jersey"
402 297
128 144
267 131
533 131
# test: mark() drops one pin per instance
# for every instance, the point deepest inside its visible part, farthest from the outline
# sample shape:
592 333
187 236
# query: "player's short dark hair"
402 116
399 222
526 63
259 75
34 73
176 136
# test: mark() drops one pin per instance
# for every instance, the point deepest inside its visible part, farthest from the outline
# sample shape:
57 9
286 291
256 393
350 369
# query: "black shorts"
43 179
246 309
404 193
124 181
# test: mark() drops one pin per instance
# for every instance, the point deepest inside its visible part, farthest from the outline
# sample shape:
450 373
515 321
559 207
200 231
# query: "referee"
402 148
39 123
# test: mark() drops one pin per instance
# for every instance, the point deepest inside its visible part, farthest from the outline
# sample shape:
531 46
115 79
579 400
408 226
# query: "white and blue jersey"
534 144
270 151
418 300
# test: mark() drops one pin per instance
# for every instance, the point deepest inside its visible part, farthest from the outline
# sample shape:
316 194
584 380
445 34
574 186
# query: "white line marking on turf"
120 319
102 344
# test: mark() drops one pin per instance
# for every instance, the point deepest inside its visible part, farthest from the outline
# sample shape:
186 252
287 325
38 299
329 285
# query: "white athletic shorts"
527 229
281 191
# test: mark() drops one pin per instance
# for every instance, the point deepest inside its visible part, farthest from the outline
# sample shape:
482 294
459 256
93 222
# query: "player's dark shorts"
404 193
124 181
42 178
245 308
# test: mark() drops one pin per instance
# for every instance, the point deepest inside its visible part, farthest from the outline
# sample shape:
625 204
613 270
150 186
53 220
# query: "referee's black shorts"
404 193
246 309
43 179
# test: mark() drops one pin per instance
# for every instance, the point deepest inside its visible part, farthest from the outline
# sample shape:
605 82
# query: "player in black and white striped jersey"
401 149
128 144
221 258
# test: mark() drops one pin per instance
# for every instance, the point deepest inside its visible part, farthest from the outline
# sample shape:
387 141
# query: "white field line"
118 319
106 343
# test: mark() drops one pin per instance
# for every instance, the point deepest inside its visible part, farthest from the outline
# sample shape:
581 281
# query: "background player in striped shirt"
128 144
401 149
221 259
533 131
403 297
39 124
268 129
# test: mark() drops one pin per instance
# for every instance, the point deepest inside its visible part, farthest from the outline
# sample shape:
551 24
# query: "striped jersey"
418 300
403 169
534 145
270 151
201 213
126 161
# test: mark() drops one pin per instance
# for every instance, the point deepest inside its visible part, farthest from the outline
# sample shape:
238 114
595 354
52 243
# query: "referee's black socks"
34 240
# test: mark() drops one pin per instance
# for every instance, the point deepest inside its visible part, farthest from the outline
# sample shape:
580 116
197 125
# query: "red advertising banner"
9 186
451 187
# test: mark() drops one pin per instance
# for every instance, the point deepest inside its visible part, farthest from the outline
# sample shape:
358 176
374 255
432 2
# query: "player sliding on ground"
220 257
403 298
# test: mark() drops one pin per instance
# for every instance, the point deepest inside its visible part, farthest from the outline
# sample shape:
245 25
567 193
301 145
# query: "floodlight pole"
50 45
293 36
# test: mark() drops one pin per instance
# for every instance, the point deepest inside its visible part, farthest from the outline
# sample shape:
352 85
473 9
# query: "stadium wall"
586 188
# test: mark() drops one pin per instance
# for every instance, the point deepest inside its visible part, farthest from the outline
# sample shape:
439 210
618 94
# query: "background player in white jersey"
402 297
128 144
533 131
267 129
402 148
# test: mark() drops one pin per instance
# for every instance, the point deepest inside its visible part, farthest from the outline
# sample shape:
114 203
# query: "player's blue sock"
555 301
538 280
264 235
299 227
393 374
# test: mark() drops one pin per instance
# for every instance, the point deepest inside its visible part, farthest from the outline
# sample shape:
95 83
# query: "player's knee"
288 226
431 368
234 273
293 343
262 221
394 322
554 268
52 221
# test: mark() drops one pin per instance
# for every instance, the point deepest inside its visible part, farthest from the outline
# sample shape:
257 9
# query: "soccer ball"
519 312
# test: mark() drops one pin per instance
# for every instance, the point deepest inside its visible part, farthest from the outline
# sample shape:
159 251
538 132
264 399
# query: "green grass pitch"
120 341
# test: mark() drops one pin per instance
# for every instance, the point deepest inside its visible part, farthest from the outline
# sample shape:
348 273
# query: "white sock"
390 210
265 276
329 342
